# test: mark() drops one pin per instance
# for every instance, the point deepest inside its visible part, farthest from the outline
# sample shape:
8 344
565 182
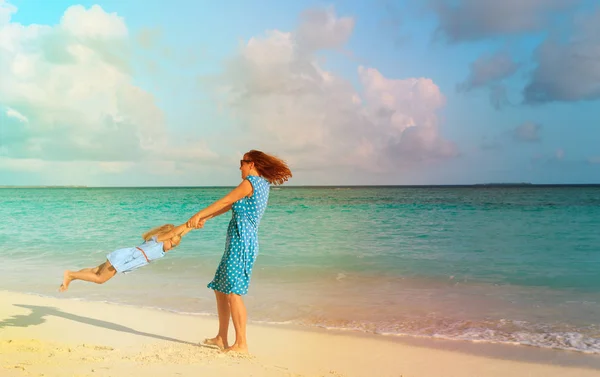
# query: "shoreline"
445 342
157 341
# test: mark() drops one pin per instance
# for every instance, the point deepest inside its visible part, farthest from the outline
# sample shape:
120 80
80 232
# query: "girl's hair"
158 230
270 167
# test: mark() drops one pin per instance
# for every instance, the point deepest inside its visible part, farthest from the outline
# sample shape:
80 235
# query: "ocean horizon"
290 185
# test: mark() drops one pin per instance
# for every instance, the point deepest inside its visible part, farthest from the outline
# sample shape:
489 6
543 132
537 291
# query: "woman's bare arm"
242 190
224 210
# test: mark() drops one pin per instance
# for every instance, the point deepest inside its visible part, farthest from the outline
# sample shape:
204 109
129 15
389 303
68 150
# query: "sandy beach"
43 336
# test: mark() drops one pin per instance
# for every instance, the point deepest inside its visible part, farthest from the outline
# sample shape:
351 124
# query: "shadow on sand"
39 315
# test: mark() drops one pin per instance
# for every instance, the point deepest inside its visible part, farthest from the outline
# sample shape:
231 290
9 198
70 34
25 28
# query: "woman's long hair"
273 169
158 230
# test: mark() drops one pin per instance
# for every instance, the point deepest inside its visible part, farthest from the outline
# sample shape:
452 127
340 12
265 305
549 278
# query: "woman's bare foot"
216 341
66 281
237 348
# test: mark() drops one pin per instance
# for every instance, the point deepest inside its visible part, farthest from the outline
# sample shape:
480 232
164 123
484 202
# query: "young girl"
157 242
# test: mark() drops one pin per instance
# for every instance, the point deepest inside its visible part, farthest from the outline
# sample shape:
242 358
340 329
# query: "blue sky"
132 93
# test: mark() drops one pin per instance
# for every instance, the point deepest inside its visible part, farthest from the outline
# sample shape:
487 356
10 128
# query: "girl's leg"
224 315
238 315
97 275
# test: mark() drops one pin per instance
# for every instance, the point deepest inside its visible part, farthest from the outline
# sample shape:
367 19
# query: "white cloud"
322 29
286 102
93 23
31 165
6 11
17 115
115 166
71 96
86 116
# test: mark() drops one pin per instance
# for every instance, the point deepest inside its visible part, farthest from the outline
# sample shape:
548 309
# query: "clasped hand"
196 222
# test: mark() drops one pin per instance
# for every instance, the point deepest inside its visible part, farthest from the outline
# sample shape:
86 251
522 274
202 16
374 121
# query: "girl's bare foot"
237 348
216 341
66 281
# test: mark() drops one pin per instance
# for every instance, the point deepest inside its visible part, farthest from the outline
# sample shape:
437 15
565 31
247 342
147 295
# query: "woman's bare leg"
224 315
97 275
238 315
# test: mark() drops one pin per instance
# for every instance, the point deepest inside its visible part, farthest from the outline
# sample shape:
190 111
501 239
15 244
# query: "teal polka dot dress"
241 246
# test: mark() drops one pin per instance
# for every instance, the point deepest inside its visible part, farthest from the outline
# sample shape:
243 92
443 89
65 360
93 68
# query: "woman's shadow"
39 313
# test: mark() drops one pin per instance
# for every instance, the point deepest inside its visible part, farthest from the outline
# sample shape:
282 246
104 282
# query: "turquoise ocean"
513 265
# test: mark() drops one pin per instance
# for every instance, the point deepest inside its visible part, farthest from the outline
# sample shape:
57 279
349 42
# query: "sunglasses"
246 161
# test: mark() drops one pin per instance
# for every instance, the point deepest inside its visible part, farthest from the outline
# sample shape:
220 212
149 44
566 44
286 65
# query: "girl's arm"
172 239
178 230
242 190
187 229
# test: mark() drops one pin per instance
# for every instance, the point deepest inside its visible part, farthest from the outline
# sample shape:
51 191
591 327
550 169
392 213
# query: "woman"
248 202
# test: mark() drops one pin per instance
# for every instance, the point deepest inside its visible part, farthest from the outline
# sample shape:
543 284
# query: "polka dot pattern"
241 246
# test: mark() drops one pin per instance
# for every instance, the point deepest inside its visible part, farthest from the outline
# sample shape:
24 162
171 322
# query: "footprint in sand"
91 358
183 354
97 348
